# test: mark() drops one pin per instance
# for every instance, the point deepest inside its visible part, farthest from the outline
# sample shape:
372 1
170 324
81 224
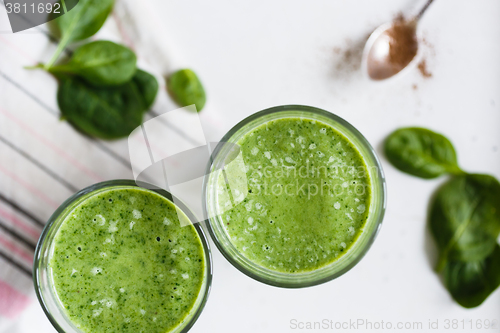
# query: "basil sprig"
464 216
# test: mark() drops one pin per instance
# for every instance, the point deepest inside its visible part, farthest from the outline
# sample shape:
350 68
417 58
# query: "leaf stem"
60 47
40 65
61 69
64 6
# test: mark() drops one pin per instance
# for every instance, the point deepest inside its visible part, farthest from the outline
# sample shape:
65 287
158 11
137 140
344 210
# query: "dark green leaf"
186 89
101 63
148 87
465 218
84 20
107 113
470 283
421 152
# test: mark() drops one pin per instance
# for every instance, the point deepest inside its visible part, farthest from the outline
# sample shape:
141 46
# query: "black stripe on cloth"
98 144
56 113
16 264
30 95
21 210
17 236
39 165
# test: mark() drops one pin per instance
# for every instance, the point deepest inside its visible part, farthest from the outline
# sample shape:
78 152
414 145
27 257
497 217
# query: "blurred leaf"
106 113
186 89
465 218
148 87
470 283
84 20
421 152
101 63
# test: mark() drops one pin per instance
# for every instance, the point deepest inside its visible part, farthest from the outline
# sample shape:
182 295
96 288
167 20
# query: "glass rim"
113 183
380 179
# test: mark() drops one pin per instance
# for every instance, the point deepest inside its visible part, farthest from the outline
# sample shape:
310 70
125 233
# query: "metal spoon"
391 47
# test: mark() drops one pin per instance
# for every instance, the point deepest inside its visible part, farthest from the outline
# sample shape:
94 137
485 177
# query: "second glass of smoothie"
115 257
294 196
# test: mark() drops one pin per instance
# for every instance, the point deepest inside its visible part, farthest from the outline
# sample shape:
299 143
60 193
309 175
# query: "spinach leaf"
148 87
465 218
80 23
84 20
107 113
101 63
186 89
421 152
470 283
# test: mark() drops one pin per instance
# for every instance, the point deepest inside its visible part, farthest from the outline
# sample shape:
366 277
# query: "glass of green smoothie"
114 258
301 199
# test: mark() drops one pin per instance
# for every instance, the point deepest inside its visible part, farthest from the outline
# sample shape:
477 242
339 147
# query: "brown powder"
422 67
403 45
347 59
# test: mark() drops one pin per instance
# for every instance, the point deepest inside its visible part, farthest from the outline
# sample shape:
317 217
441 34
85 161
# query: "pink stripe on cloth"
125 37
30 188
12 302
49 144
16 250
17 222
18 50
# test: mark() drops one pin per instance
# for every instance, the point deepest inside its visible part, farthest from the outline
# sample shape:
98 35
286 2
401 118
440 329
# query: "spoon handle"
422 11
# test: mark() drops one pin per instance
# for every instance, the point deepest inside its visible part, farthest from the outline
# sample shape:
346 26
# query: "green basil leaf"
107 113
465 218
101 63
148 87
470 283
421 152
186 89
84 20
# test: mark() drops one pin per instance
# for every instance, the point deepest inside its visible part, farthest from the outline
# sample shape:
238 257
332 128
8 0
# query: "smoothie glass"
225 151
42 275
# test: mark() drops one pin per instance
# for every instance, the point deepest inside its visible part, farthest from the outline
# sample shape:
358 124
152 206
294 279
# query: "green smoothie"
308 199
121 262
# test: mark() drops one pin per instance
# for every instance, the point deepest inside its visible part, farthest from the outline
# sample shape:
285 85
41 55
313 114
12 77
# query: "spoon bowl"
385 54
391 47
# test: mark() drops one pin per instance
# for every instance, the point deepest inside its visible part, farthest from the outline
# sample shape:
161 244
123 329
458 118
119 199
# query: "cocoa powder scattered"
422 67
348 57
403 43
